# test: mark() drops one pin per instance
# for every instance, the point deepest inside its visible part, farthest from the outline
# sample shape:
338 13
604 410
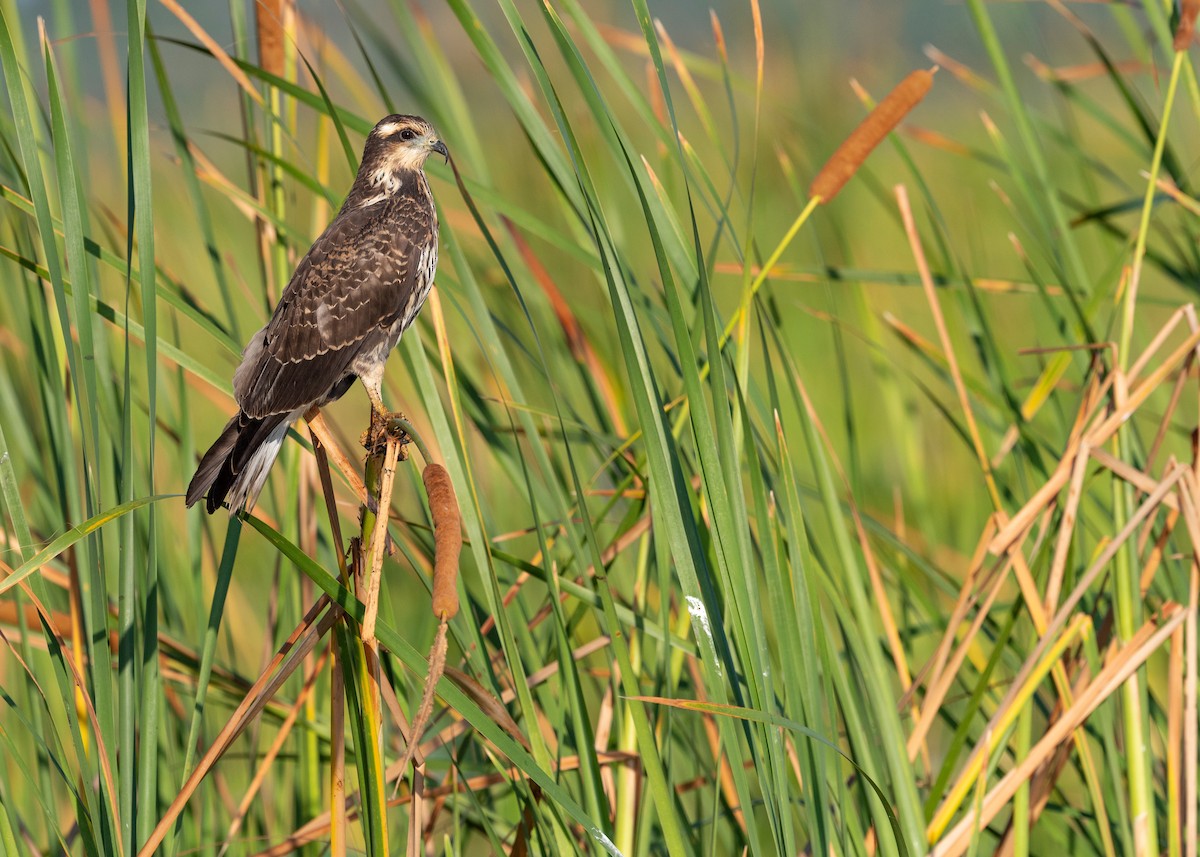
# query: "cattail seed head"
870 133
447 539
1188 12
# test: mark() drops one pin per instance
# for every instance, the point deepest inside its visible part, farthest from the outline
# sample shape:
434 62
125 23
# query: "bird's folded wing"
354 280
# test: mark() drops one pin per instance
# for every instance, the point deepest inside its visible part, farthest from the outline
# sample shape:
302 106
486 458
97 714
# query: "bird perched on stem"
353 294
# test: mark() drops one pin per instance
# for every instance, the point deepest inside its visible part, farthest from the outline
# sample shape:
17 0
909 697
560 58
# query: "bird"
355 292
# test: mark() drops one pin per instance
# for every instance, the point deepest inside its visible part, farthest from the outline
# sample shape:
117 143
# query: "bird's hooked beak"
440 147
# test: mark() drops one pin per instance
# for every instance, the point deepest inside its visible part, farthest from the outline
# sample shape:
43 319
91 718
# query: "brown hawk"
353 294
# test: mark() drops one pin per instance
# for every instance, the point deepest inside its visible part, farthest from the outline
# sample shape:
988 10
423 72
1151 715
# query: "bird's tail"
235 467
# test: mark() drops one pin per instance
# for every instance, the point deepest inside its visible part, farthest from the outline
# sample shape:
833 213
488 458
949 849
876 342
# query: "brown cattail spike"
870 133
268 20
1188 12
447 538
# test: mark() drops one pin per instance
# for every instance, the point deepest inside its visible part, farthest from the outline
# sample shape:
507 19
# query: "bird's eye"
408 134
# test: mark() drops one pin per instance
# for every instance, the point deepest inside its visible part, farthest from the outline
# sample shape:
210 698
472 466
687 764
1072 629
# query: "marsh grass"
785 529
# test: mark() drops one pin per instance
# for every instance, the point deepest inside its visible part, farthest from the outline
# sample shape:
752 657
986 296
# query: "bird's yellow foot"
386 425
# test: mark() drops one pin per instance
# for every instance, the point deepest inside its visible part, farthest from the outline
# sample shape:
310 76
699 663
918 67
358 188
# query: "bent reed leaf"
870 133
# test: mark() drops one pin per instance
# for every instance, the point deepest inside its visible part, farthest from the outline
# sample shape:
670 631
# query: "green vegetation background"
652 513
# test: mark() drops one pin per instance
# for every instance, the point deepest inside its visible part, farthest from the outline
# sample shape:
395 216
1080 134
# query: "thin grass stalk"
1139 250
1191 517
947 347
1175 743
1135 711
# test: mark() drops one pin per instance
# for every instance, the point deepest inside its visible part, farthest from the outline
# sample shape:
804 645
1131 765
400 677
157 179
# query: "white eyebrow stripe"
388 128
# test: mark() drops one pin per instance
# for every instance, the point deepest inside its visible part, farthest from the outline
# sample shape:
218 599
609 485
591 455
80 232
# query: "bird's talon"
386 426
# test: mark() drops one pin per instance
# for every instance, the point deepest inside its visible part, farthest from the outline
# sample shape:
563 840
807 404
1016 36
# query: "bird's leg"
384 423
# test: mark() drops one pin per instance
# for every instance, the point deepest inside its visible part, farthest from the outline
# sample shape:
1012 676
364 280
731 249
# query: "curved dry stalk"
1109 680
312 628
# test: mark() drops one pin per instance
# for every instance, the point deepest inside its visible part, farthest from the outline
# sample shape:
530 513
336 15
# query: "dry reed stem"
760 54
945 679
264 764
880 122
1173 321
1165 423
1058 566
214 48
1140 480
1154 560
9 616
318 827
1050 634
111 74
320 431
291 654
416 811
685 77
964 73
437 667
379 538
966 598
447 535
1174 747
1172 190
1191 517
939 320
393 706
718 36
1097 435
1118 670
494 708
1082 71
787 274
1024 576
1044 782
1188 11
605 719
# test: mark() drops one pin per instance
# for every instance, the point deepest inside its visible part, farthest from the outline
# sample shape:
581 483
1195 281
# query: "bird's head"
401 143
